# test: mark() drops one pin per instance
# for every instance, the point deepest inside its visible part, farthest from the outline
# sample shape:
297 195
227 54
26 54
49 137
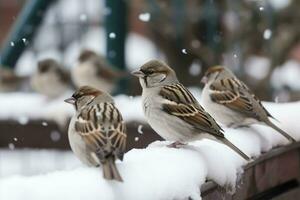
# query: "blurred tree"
217 32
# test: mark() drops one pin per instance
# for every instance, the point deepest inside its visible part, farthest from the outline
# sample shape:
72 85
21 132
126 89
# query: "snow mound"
152 173
158 172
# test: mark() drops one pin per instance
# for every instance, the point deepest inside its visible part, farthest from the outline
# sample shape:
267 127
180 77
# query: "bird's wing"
235 95
182 104
103 129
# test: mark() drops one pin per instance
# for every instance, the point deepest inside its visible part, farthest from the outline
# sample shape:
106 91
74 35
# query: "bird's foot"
176 145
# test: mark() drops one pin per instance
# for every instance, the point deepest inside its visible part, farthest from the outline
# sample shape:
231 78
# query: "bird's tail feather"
282 132
110 171
234 148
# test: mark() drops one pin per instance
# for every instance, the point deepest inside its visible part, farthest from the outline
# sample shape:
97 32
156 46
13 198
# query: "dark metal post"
115 24
23 31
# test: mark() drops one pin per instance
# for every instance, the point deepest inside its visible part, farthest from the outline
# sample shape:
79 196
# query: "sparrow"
50 79
232 103
97 132
172 111
94 70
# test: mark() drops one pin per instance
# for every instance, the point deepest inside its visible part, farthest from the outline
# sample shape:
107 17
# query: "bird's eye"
150 72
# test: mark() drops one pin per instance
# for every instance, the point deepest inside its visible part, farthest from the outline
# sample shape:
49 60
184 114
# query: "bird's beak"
70 100
137 73
204 80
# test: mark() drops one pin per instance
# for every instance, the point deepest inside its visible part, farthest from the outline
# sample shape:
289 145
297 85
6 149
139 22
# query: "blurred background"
258 40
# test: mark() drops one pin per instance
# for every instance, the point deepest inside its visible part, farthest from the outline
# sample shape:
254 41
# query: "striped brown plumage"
103 130
227 90
172 111
183 105
97 133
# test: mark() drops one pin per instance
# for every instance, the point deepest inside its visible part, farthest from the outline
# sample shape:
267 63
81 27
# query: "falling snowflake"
55 136
195 69
44 123
23 120
235 55
112 35
15 139
184 51
145 17
140 129
12 44
261 8
267 34
11 146
136 139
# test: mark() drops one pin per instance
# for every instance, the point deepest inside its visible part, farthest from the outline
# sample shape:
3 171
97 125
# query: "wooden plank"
35 134
274 174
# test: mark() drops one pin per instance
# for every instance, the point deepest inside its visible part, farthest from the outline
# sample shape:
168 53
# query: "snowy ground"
29 162
156 172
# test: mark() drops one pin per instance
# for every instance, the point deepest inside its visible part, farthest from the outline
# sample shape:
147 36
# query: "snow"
184 51
280 4
156 172
29 162
23 107
261 8
287 75
267 34
87 183
145 17
139 50
257 67
93 39
195 69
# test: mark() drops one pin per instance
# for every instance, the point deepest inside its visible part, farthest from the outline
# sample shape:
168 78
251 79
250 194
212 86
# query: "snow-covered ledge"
156 172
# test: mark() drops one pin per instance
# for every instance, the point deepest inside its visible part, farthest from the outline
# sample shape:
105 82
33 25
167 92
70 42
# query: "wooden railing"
274 175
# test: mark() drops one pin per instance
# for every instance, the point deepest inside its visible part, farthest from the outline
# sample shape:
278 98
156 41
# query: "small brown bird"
232 103
172 111
97 132
50 79
94 70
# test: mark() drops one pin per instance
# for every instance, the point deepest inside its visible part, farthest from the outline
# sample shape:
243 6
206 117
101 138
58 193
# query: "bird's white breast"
168 127
78 145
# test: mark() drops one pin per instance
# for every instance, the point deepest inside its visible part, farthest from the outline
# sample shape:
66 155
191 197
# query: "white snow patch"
257 67
93 39
171 182
280 4
29 162
177 173
195 68
267 34
287 75
24 107
139 50
145 17
112 35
